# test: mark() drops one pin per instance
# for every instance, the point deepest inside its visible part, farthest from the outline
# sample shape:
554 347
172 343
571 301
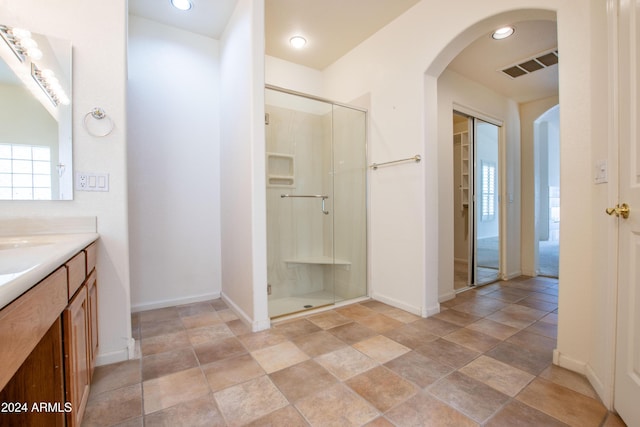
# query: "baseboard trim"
605 394
113 356
585 369
131 349
448 296
569 363
173 302
398 304
513 275
430 311
256 325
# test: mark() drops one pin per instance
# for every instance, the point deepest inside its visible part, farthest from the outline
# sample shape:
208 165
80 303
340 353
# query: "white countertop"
26 260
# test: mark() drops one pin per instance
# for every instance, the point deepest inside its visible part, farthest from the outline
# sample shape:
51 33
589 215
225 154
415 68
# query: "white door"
627 378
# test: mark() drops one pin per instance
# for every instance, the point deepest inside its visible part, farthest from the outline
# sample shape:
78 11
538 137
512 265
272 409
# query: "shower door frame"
366 189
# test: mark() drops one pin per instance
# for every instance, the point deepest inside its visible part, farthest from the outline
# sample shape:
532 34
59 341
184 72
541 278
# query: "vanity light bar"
20 42
50 85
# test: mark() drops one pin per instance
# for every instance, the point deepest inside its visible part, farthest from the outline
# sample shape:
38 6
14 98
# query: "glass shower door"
316 202
350 202
299 203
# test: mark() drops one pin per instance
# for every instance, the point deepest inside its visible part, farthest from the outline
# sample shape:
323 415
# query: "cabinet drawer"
25 321
92 252
76 270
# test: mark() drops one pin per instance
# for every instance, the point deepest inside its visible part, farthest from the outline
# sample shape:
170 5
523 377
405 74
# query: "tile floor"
484 360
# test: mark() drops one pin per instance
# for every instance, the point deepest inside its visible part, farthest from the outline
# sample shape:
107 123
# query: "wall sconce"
20 42
50 85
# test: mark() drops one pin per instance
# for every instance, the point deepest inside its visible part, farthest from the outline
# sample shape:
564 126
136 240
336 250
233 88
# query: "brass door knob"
619 211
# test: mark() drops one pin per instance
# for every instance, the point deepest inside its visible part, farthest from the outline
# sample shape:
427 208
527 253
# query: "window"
488 190
25 172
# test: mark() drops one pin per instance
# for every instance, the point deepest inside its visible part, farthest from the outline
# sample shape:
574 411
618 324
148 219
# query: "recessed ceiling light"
503 33
298 42
182 4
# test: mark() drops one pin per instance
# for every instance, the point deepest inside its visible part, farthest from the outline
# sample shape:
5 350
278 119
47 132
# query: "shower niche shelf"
280 170
319 260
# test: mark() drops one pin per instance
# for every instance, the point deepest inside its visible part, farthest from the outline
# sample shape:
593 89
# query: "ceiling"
334 27
206 17
331 27
483 59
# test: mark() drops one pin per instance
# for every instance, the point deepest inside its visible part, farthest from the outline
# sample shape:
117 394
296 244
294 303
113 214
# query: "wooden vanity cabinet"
76 272
92 304
39 380
80 320
48 346
76 352
26 320
92 295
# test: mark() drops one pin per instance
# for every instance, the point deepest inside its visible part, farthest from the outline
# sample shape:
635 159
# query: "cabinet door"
35 394
76 335
26 320
92 294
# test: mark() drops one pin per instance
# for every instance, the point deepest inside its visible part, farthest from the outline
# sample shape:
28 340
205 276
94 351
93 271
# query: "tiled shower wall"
296 228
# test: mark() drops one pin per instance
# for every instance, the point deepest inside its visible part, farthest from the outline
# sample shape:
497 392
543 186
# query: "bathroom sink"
23 253
20 256
27 259
25 242
22 244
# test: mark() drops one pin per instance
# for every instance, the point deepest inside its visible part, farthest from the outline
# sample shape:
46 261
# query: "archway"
438 128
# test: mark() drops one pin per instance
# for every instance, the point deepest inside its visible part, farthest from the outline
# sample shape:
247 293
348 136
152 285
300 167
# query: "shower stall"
316 202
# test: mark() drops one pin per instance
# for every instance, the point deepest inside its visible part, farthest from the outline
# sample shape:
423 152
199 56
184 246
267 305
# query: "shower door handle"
312 196
324 211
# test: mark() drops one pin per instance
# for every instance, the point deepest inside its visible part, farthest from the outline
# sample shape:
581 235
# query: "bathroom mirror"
35 116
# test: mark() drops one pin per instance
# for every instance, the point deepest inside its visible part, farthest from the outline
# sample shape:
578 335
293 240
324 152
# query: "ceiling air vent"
535 63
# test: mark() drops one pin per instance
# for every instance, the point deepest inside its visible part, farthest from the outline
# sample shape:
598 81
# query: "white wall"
547 170
174 165
97 31
405 120
553 125
529 112
292 76
600 316
243 192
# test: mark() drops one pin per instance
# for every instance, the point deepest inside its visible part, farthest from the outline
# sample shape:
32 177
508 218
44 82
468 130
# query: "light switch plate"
92 181
601 172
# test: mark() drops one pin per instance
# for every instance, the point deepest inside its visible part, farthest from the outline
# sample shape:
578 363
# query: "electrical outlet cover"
91 181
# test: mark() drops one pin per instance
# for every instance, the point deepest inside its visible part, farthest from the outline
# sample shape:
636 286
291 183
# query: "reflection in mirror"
35 116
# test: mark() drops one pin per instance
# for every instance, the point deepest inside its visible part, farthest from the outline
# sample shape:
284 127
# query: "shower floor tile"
295 304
